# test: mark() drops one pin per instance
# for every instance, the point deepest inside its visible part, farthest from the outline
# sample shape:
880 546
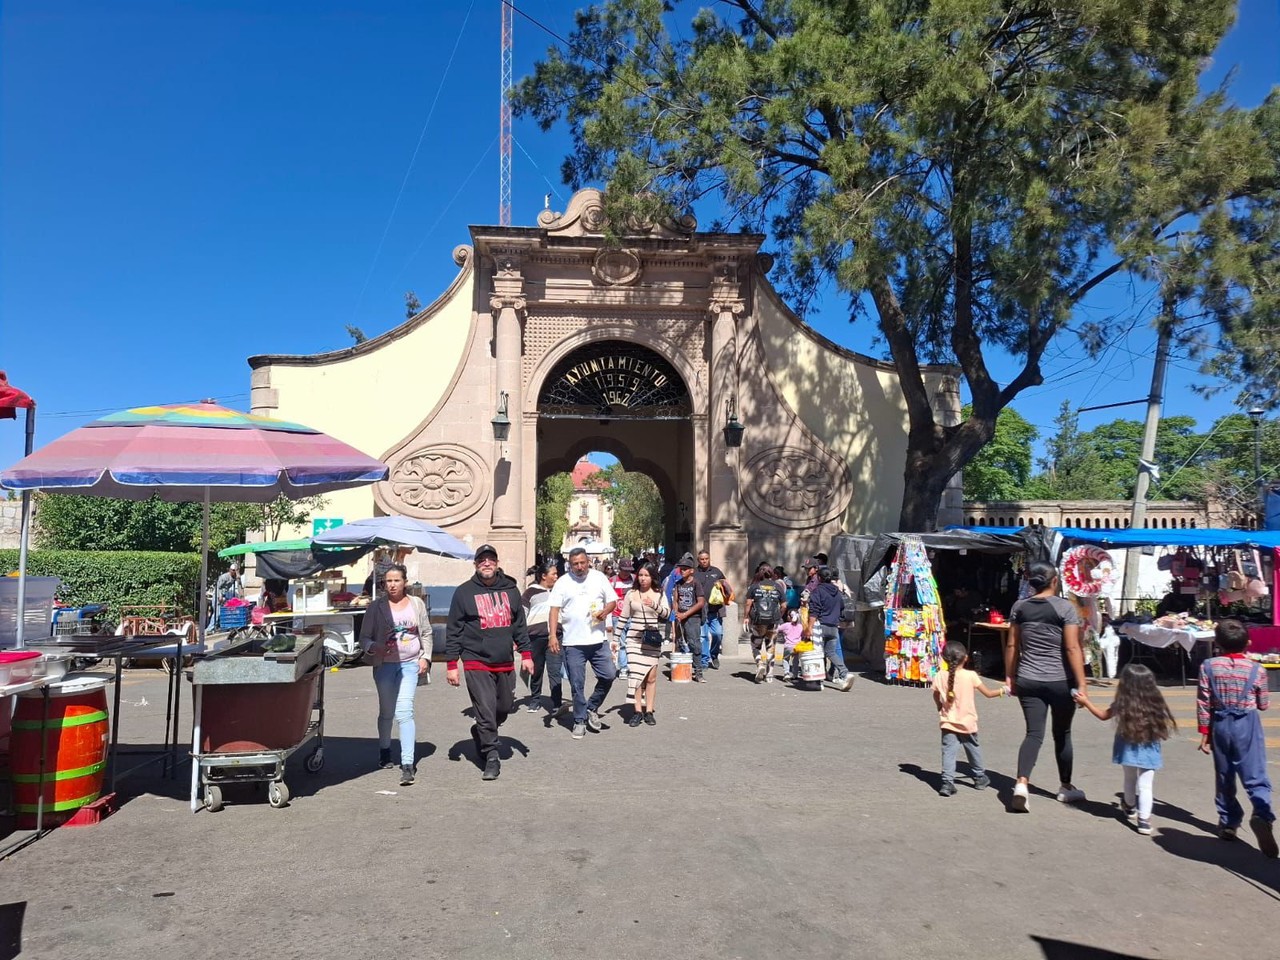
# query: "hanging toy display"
914 632
1086 573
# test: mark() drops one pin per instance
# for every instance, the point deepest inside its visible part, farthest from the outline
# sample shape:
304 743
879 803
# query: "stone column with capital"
725 509
727 540
508 472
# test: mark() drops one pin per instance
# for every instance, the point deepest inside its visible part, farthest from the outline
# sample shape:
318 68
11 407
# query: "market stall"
976 578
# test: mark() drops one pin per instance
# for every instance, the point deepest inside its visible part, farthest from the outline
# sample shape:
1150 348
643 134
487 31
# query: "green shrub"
116 577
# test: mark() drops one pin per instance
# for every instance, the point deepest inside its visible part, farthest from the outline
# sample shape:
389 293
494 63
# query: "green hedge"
115 577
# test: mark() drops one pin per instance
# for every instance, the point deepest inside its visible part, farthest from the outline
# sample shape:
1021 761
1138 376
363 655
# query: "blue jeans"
620 638
833 650
712 640
396 684
601 660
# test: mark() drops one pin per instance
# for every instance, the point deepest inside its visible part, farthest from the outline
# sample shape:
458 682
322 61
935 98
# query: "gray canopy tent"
862 563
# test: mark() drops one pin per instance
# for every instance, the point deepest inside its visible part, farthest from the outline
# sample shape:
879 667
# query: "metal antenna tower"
504 120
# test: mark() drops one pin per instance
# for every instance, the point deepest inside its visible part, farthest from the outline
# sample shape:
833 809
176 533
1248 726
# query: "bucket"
75 736
813 666
682 668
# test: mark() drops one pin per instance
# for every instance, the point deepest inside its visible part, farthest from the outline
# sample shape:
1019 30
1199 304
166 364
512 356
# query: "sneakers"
579 731
1129 813
1021 798
982 782
384 759
533 708
1069 794
636 719
1144 826
593 722
768 678
1265 833
948 789
845 683
561 709
406 775
762 671
698 677
1226 833
492 767
650 719
715 663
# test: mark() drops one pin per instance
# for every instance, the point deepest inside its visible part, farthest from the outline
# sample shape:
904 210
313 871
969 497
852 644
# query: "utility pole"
1256 414
1155 399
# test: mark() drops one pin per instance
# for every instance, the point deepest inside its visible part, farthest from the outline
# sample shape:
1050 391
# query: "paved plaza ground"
751 822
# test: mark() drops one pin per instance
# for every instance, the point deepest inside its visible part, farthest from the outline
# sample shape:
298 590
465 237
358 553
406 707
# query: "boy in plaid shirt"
1231 693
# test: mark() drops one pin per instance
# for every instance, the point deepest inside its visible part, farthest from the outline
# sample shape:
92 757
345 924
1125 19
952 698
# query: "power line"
377 254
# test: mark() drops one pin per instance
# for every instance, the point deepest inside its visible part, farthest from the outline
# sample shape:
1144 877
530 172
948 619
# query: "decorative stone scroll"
442 483
793 487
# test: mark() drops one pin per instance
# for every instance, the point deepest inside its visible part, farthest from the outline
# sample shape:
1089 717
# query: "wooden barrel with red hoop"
74 733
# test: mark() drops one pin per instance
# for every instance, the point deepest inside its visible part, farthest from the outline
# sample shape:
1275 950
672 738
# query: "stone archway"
620 396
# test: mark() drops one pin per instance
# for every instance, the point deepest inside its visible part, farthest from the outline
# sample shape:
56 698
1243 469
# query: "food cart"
257 703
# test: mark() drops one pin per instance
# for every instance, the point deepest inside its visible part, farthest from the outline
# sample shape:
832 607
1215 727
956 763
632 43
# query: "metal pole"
1129 588
19 641
1257 415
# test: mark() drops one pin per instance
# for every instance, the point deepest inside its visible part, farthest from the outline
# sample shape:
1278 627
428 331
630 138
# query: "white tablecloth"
1153 636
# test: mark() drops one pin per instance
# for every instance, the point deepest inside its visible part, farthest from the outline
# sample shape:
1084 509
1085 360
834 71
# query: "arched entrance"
625 399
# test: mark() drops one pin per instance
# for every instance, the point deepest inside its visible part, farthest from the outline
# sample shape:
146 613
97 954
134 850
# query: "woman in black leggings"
1043 664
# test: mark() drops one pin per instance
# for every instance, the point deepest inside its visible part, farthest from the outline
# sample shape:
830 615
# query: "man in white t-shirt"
581 602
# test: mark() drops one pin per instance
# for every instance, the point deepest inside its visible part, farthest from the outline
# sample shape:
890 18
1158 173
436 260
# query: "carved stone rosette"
444 483
796 488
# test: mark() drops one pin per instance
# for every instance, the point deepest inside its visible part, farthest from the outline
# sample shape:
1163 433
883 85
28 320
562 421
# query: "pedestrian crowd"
616 622
1044 670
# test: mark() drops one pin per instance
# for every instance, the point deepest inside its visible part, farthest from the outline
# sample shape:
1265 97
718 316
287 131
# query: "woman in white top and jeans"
396 634
1043 664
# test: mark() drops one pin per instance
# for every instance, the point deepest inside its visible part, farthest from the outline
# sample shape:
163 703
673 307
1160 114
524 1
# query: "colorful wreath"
1087 570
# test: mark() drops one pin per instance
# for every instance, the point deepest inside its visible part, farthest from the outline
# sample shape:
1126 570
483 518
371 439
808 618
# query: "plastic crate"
232 618
37 617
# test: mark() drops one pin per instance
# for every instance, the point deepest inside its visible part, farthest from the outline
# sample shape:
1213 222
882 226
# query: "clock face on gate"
614 380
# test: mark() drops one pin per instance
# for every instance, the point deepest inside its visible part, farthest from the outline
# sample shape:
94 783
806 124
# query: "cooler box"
38 618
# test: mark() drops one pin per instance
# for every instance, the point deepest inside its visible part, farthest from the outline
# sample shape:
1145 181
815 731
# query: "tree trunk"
931 463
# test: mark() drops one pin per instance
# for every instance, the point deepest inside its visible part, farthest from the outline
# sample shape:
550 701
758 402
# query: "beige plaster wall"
853 407
407 370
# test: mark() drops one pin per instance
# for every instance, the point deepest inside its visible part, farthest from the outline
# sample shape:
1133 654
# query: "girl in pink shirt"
953 691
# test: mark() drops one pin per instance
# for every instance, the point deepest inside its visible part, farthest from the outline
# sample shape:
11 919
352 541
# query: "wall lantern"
733 428
501 422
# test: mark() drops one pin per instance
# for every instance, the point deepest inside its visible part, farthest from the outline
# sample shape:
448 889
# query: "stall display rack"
914 635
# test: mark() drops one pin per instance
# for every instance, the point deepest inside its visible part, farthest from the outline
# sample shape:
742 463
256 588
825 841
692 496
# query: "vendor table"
339 630
12 690
1150 635
119 649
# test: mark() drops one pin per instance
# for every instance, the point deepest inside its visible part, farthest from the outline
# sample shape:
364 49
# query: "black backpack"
767 607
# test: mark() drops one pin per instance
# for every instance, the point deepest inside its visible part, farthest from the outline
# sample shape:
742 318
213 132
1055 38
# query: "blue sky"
184 184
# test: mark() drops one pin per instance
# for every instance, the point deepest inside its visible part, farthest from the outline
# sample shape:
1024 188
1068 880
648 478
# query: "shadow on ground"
1063 950
1237 857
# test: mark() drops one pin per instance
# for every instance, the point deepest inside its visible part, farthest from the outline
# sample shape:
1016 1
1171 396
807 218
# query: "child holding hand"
953 691
1143 721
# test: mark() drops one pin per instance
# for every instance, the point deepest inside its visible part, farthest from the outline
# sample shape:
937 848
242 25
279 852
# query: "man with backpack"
765 608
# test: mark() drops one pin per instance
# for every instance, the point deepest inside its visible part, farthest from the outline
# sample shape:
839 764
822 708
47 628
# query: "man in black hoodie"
486 621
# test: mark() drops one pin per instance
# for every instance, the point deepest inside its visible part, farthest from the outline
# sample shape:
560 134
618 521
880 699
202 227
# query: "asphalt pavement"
754 821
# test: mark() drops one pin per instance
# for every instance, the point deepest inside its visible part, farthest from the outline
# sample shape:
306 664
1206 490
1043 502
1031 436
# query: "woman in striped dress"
644 611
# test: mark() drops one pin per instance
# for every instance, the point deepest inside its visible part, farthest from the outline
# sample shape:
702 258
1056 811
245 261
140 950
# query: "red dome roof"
583 469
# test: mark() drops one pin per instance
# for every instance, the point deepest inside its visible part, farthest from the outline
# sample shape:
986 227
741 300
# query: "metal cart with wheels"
254 709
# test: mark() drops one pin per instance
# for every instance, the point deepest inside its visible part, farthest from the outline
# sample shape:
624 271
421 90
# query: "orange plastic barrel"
75 737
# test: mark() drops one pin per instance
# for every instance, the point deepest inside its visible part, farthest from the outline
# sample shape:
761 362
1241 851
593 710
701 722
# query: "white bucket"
813 666
682 668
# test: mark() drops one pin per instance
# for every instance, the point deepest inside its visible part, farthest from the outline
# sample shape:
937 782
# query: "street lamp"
733 428
501 422
1256 414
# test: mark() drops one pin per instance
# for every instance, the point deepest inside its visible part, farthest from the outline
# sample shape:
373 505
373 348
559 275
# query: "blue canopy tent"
1125 538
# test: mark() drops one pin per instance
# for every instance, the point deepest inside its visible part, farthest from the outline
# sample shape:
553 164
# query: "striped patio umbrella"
193 452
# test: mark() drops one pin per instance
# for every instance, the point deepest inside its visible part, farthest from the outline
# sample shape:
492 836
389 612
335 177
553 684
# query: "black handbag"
651 636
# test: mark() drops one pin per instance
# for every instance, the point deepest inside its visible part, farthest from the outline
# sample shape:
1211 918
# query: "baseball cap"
686 561
813 563
485 550
627 565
